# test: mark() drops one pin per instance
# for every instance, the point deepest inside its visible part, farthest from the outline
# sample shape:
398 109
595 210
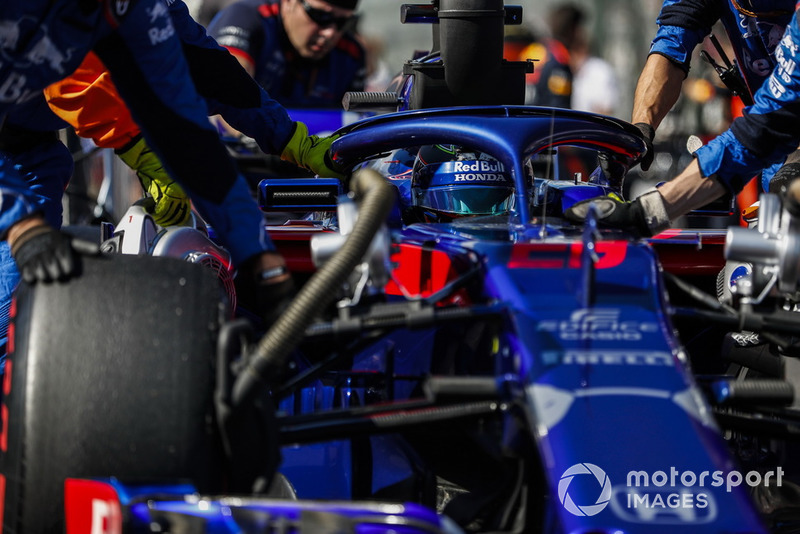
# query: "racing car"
459 357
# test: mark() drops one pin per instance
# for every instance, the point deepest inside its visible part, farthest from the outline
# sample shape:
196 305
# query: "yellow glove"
172 206
311 152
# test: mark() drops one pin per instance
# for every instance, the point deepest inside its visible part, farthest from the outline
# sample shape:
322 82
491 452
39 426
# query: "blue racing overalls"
170 85
754 28
254 30
768 130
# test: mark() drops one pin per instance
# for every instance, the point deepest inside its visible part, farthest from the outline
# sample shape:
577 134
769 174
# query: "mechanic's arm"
657 90
765 134
244 24
20 227
229 89
688 191
88 101
767 131
233 93
35 167
145 59
682 25
239 29
42 252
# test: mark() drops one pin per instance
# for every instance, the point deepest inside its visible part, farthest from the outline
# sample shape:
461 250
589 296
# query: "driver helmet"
449 182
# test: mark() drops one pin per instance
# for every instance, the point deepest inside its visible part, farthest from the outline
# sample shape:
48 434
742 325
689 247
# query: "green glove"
172 206
311 152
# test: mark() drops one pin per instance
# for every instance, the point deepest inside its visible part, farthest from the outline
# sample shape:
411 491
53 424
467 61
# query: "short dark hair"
565 21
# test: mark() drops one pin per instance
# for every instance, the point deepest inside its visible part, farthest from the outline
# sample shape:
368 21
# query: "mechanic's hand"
645 216
781 182
265 286
172 206
311 152
783 177
648 133
44 254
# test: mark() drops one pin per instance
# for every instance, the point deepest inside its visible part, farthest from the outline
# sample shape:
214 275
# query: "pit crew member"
303 52
754 29
765 134
43 42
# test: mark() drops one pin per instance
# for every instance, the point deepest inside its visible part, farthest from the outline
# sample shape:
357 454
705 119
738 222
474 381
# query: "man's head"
566 23
315 26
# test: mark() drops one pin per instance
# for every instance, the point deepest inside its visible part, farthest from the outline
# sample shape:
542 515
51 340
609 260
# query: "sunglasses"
323 18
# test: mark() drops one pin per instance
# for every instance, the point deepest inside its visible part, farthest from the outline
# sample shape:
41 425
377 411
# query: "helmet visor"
468 200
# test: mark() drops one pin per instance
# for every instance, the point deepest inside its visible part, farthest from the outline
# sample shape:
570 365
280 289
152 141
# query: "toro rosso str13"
458 358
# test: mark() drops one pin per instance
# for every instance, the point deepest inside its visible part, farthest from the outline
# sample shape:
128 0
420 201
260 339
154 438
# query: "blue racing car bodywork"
437 371
582 345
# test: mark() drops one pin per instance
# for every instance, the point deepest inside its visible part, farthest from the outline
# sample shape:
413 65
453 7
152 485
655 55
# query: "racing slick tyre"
109 374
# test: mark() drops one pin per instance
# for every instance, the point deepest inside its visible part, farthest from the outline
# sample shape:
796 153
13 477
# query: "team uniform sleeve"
16 199
227 87
35 166
238 28
682 25
88 101
151 74
146 62
355 50
767 132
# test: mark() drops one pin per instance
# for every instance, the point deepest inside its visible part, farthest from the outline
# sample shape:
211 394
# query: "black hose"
274 348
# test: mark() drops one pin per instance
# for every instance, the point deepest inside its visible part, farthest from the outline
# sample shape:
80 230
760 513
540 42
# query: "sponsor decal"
740 272
473 171
761 66
9 34
159 10
786 65
479 177
775 87
92 506
601 324
13 89
159 35
40 50
23 44
617 357
121 7
478 166
156 14
559 85
46 51
610 254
